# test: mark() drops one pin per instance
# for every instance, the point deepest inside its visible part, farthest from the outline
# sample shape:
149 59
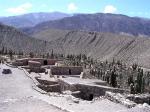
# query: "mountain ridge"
32 19
99 22
13 39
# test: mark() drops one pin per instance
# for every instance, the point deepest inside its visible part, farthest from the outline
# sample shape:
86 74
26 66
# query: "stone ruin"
43 61
34 64
66 70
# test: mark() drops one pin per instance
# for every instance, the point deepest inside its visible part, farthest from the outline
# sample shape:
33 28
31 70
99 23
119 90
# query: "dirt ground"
17 95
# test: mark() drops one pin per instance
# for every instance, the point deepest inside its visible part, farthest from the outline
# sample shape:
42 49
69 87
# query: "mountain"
32 19
113 23
102 46
15 40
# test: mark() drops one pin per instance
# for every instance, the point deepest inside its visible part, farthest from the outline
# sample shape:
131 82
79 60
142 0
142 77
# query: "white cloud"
110 9
20 9
72 7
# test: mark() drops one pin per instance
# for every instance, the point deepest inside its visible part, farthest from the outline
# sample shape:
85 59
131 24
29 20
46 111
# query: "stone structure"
139 98
33 64
43 61
66 70
48 86
21 62
87 88
59 63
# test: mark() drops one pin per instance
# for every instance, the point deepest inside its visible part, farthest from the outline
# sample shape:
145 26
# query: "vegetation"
115 73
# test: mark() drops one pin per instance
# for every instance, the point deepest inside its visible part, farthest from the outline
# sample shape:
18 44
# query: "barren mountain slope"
99 45
16 40
49 35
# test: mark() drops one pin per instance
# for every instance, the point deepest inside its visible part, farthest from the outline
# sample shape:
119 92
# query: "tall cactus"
139 81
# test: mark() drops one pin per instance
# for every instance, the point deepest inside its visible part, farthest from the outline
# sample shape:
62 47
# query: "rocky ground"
17 95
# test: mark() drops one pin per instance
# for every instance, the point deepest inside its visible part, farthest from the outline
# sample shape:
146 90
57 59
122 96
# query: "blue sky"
139 8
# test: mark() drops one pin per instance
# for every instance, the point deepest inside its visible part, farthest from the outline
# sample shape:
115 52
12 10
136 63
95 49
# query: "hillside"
113 23
17 41
31 19
102 46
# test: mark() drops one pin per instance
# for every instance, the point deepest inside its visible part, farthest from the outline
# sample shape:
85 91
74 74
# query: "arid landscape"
73 60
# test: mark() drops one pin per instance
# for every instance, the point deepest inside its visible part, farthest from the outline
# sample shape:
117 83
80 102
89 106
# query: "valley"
74 62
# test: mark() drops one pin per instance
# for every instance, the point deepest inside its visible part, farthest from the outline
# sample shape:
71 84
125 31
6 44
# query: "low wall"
65 86
96 91
43 61
50 88
87 92
34 64
61 70
52 61
45 82
140 99
37 70
118 98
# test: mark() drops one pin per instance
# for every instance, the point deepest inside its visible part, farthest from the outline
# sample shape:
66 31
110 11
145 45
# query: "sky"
138 8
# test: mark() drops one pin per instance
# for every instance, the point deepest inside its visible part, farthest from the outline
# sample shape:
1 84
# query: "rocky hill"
103 46
113 23
17 41
32 19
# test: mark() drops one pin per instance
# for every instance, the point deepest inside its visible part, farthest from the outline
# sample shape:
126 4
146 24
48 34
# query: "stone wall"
21 62
43 61
37 69
18 63
34 64
45 82
140 99
65 86
52 61
87 92
50 88
66 70
96 90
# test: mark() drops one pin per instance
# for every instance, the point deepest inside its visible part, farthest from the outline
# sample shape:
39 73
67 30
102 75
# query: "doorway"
69 71
45 62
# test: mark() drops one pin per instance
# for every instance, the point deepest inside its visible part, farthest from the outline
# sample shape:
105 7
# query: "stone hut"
52 61
43 61
66 70
35 66
21 62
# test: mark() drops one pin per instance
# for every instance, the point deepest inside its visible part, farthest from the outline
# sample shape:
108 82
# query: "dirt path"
17 95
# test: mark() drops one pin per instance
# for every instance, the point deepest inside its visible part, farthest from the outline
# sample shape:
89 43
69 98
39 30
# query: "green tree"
31 55
52 54
11 54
